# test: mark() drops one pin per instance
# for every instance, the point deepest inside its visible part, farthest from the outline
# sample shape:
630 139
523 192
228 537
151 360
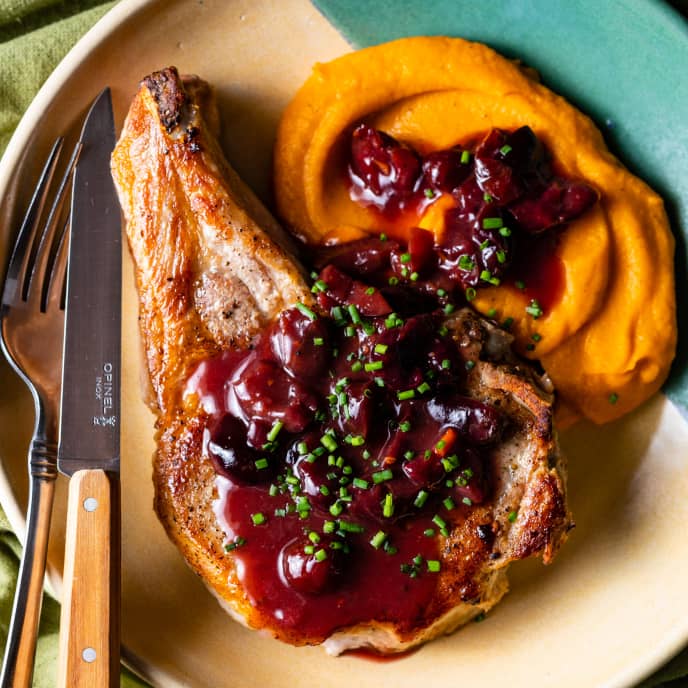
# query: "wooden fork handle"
89 623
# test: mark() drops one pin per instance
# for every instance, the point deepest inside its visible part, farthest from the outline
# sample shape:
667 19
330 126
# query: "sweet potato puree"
609 340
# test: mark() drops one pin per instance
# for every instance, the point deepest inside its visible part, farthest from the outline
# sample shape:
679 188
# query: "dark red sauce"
344 447
372 656
539 271
504 195
344 450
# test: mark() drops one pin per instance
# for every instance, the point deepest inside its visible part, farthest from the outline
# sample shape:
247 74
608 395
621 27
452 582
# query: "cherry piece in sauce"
310 573
232 457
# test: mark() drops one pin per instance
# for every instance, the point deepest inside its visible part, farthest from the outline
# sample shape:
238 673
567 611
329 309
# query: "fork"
31 334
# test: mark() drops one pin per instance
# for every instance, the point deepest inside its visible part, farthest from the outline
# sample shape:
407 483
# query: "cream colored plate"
614 605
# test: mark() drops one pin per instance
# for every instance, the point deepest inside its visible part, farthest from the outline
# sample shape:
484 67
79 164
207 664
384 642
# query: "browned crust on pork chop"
212 269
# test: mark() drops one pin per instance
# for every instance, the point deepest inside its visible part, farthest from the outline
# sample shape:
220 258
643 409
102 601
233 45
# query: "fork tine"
55 282
24 245
50 238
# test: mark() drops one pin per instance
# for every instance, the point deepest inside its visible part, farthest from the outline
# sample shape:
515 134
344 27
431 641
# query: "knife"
88 449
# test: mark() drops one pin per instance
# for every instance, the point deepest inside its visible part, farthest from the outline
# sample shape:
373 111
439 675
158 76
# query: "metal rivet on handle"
89 654
90 503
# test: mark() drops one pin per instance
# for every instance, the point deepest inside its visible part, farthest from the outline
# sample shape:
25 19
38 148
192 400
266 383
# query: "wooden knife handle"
89 622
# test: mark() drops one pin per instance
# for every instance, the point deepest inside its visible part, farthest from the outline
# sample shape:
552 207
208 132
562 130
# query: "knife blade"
88 449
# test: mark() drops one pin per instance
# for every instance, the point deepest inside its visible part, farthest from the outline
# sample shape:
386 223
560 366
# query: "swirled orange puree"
609 340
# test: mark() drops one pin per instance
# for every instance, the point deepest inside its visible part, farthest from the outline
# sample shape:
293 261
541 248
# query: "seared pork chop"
213 271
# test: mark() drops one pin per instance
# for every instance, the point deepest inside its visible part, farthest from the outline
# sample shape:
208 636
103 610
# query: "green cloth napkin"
34 36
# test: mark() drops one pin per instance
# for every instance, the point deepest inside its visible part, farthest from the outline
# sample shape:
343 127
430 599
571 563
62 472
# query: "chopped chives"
373 365
275 430
433 565
492 222
319 286
491 313
421 498
405 257
414 277
505 231
536 337
261 464
273 491
429 193
314 537
467 501
309 549
381 476
429 532
238 542
329 442
336 508
388 506
423 388
512 516
449 309
446 364
302 448
406 394
318 341
348 527
449 504
501 257
506 148
354 314
329 527
258 518
349 331
470 365
393 281
380 348
470 294
613 398
378 539
405 426
360 483
520 284
321 555
439 521
356 367
465 157
370 291
306 310
534 309
466 263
